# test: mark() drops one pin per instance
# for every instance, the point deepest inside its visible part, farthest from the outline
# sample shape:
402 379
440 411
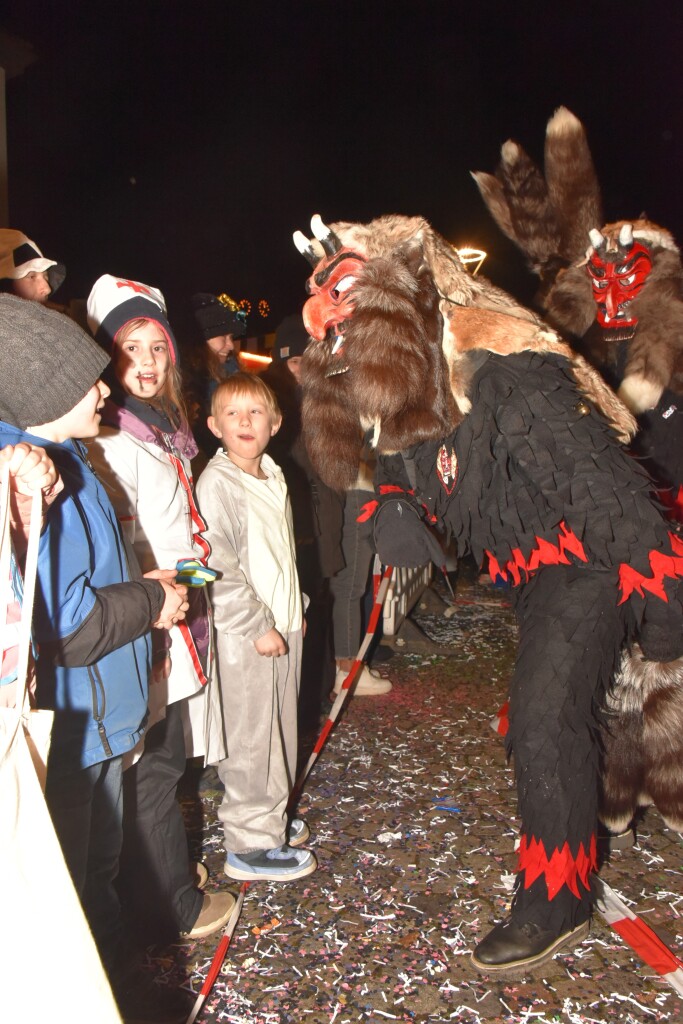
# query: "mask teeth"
338 342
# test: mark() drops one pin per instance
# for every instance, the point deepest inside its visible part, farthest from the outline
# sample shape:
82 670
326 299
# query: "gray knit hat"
47 363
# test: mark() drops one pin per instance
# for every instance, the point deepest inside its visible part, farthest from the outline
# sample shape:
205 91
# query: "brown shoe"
214 915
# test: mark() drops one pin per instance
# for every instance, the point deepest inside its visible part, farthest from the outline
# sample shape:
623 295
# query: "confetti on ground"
412 812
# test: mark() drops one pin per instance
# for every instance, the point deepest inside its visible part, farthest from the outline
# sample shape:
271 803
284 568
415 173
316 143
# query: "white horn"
325 235
597 239
306 248
626 236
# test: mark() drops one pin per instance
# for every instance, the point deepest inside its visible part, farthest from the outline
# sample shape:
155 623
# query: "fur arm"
655 357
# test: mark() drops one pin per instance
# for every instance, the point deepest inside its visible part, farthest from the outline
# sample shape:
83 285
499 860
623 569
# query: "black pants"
155 884
571 632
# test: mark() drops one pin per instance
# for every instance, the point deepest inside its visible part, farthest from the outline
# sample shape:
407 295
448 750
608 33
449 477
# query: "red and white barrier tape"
219 955
501 723
378 603
639 936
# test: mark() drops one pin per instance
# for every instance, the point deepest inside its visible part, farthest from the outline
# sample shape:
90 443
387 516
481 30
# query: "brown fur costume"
402 350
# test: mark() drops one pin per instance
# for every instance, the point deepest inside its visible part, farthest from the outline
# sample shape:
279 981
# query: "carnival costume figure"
489 427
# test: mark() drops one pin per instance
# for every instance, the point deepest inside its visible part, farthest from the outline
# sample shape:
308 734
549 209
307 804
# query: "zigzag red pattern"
545 553
662 566
561 869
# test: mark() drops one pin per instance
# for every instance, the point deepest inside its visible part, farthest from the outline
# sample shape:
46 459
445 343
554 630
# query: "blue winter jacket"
100 703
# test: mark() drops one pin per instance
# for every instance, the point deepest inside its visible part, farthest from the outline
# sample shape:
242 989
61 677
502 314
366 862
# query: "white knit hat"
20 256
115 301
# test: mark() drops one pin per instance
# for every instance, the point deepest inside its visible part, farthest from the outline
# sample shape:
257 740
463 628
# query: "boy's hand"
272 645
31 469
175 604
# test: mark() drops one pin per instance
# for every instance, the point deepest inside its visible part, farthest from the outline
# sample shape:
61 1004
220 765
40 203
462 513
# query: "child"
24 271
91 619
259 627
143 457
221 324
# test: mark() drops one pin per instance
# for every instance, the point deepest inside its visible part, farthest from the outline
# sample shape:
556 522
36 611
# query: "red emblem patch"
447 468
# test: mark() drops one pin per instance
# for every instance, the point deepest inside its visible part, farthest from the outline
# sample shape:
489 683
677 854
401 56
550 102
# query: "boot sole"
241 875
516 968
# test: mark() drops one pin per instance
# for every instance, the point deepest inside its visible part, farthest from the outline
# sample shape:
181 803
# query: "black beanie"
47 363
215 319
291 337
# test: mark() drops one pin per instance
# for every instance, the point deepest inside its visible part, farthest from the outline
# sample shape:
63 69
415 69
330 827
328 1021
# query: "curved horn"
597 239
305 248
626 236
325 236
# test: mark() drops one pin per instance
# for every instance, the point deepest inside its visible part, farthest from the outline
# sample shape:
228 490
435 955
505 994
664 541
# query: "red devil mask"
617 277
331 303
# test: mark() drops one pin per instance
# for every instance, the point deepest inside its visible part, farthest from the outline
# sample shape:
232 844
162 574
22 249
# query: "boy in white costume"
258 616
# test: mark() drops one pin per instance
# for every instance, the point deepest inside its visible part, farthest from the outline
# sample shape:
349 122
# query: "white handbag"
54 971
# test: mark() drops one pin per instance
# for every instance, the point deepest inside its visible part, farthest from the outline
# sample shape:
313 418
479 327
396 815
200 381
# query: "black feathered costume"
488 426
538 484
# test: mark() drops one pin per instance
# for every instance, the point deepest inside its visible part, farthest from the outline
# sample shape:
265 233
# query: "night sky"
181 143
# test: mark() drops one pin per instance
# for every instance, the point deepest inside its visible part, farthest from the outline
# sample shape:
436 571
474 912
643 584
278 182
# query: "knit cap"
291 337
216 318
20 256
115 301
47 363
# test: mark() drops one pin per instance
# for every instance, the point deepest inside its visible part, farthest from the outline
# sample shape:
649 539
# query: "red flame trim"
545 553
561 869
663 567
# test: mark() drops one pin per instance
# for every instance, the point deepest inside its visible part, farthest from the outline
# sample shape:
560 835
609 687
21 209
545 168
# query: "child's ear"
275 426
211 424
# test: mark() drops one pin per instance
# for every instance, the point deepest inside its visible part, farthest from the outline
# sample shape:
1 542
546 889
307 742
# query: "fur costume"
621 301
492 428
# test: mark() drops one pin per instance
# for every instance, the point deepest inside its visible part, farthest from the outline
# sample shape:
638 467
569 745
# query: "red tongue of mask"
329 287
616 282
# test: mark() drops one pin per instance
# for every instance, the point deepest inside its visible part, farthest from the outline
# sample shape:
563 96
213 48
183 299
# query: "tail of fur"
643 742
547 216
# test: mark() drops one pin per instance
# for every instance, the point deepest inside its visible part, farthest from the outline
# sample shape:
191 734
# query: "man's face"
616 282
34 286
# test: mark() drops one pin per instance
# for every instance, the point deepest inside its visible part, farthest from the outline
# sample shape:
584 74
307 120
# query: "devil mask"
378 364
618 272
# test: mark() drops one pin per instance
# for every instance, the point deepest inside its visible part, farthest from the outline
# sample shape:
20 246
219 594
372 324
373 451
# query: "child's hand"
31 469
175 604
272 645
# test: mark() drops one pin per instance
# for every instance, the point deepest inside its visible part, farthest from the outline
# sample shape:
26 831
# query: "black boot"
516 947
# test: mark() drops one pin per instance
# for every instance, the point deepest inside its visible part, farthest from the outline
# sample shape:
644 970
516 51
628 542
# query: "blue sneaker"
298 832
283 864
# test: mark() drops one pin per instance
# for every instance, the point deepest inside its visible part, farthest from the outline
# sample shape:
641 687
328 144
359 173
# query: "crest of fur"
417 314
643 741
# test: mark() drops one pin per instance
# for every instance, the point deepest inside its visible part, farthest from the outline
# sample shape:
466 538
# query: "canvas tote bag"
50 966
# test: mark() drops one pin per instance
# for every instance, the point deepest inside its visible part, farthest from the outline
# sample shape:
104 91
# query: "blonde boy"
258 615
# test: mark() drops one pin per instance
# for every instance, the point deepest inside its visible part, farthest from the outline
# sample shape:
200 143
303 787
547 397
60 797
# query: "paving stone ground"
412 811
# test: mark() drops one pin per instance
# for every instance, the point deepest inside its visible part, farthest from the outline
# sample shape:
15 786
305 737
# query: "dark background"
181 144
